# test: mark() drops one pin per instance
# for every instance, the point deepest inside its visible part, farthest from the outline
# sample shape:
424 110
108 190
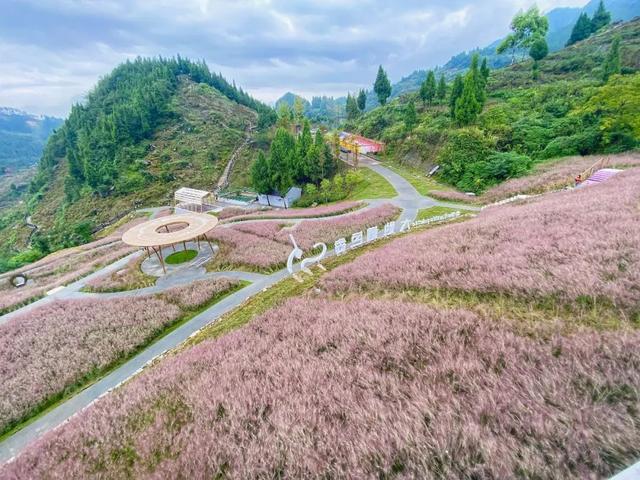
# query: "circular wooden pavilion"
169 232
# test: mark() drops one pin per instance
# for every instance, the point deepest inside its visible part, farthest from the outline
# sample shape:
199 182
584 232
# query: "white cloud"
53 51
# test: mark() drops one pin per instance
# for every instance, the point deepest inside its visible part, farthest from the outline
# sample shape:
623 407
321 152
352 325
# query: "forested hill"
561 21
124 109
489 126
150 126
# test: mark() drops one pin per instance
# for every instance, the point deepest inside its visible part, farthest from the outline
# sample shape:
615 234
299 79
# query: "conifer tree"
601 18
478 81
484 70
362 100
467 106
428 88
442 88
581 30
456 92
382 86
612 62
352 107
261 175
410 116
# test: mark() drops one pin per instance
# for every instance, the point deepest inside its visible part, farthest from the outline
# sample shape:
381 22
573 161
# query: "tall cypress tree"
612 62
601 18
442 88
478 81
352 107
261 175
484 70
428 88
467 106
362 100
382 86
581 30
456 92
410 116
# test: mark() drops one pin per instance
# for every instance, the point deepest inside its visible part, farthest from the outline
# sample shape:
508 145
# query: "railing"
602 163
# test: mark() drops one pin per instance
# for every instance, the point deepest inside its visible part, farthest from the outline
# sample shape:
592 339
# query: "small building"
287 201
193 200
363 144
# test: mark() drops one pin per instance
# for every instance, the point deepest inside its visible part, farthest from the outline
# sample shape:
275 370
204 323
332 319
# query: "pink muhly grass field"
319 211
53 347
59 270
197 294
581 244
362 389
553 175
266 244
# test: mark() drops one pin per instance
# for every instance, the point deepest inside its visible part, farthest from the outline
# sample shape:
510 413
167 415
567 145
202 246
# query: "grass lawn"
373 185
415 177
430 212
181 257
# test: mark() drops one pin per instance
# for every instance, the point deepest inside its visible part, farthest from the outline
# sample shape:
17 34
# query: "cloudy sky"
53 51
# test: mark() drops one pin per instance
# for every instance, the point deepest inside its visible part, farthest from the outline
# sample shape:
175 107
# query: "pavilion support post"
210 246
148 252
184 245
198 240
159 254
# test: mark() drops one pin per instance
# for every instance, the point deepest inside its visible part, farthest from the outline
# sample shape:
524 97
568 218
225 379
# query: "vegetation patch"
426 213
181 256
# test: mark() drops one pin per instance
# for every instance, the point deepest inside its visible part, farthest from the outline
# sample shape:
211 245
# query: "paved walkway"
408 199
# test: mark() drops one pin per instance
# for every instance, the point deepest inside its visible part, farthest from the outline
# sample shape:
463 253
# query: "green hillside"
568 110
151 126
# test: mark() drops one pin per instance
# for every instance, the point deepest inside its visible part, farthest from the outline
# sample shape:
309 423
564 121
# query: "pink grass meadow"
576 244
59 270
234 213
266 244
52 347
362 389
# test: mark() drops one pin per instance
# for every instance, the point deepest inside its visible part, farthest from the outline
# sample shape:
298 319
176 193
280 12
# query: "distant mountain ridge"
561 22
23 136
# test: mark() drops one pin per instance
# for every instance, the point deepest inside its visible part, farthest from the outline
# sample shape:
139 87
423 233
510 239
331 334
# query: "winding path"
407 198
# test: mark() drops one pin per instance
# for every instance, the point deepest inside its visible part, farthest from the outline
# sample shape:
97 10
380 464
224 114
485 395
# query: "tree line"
292 160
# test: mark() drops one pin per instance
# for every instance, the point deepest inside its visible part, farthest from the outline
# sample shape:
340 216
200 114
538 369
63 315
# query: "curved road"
408 199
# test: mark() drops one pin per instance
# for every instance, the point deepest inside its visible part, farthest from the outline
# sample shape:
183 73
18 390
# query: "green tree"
410 116
601 18
478 81
484 70
442 88
467 106
285 116
362 100
526 27
581 30
298 110
539 49
382 86
352 107
456 93
612 62
428 89
261 174
617 105
282 161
